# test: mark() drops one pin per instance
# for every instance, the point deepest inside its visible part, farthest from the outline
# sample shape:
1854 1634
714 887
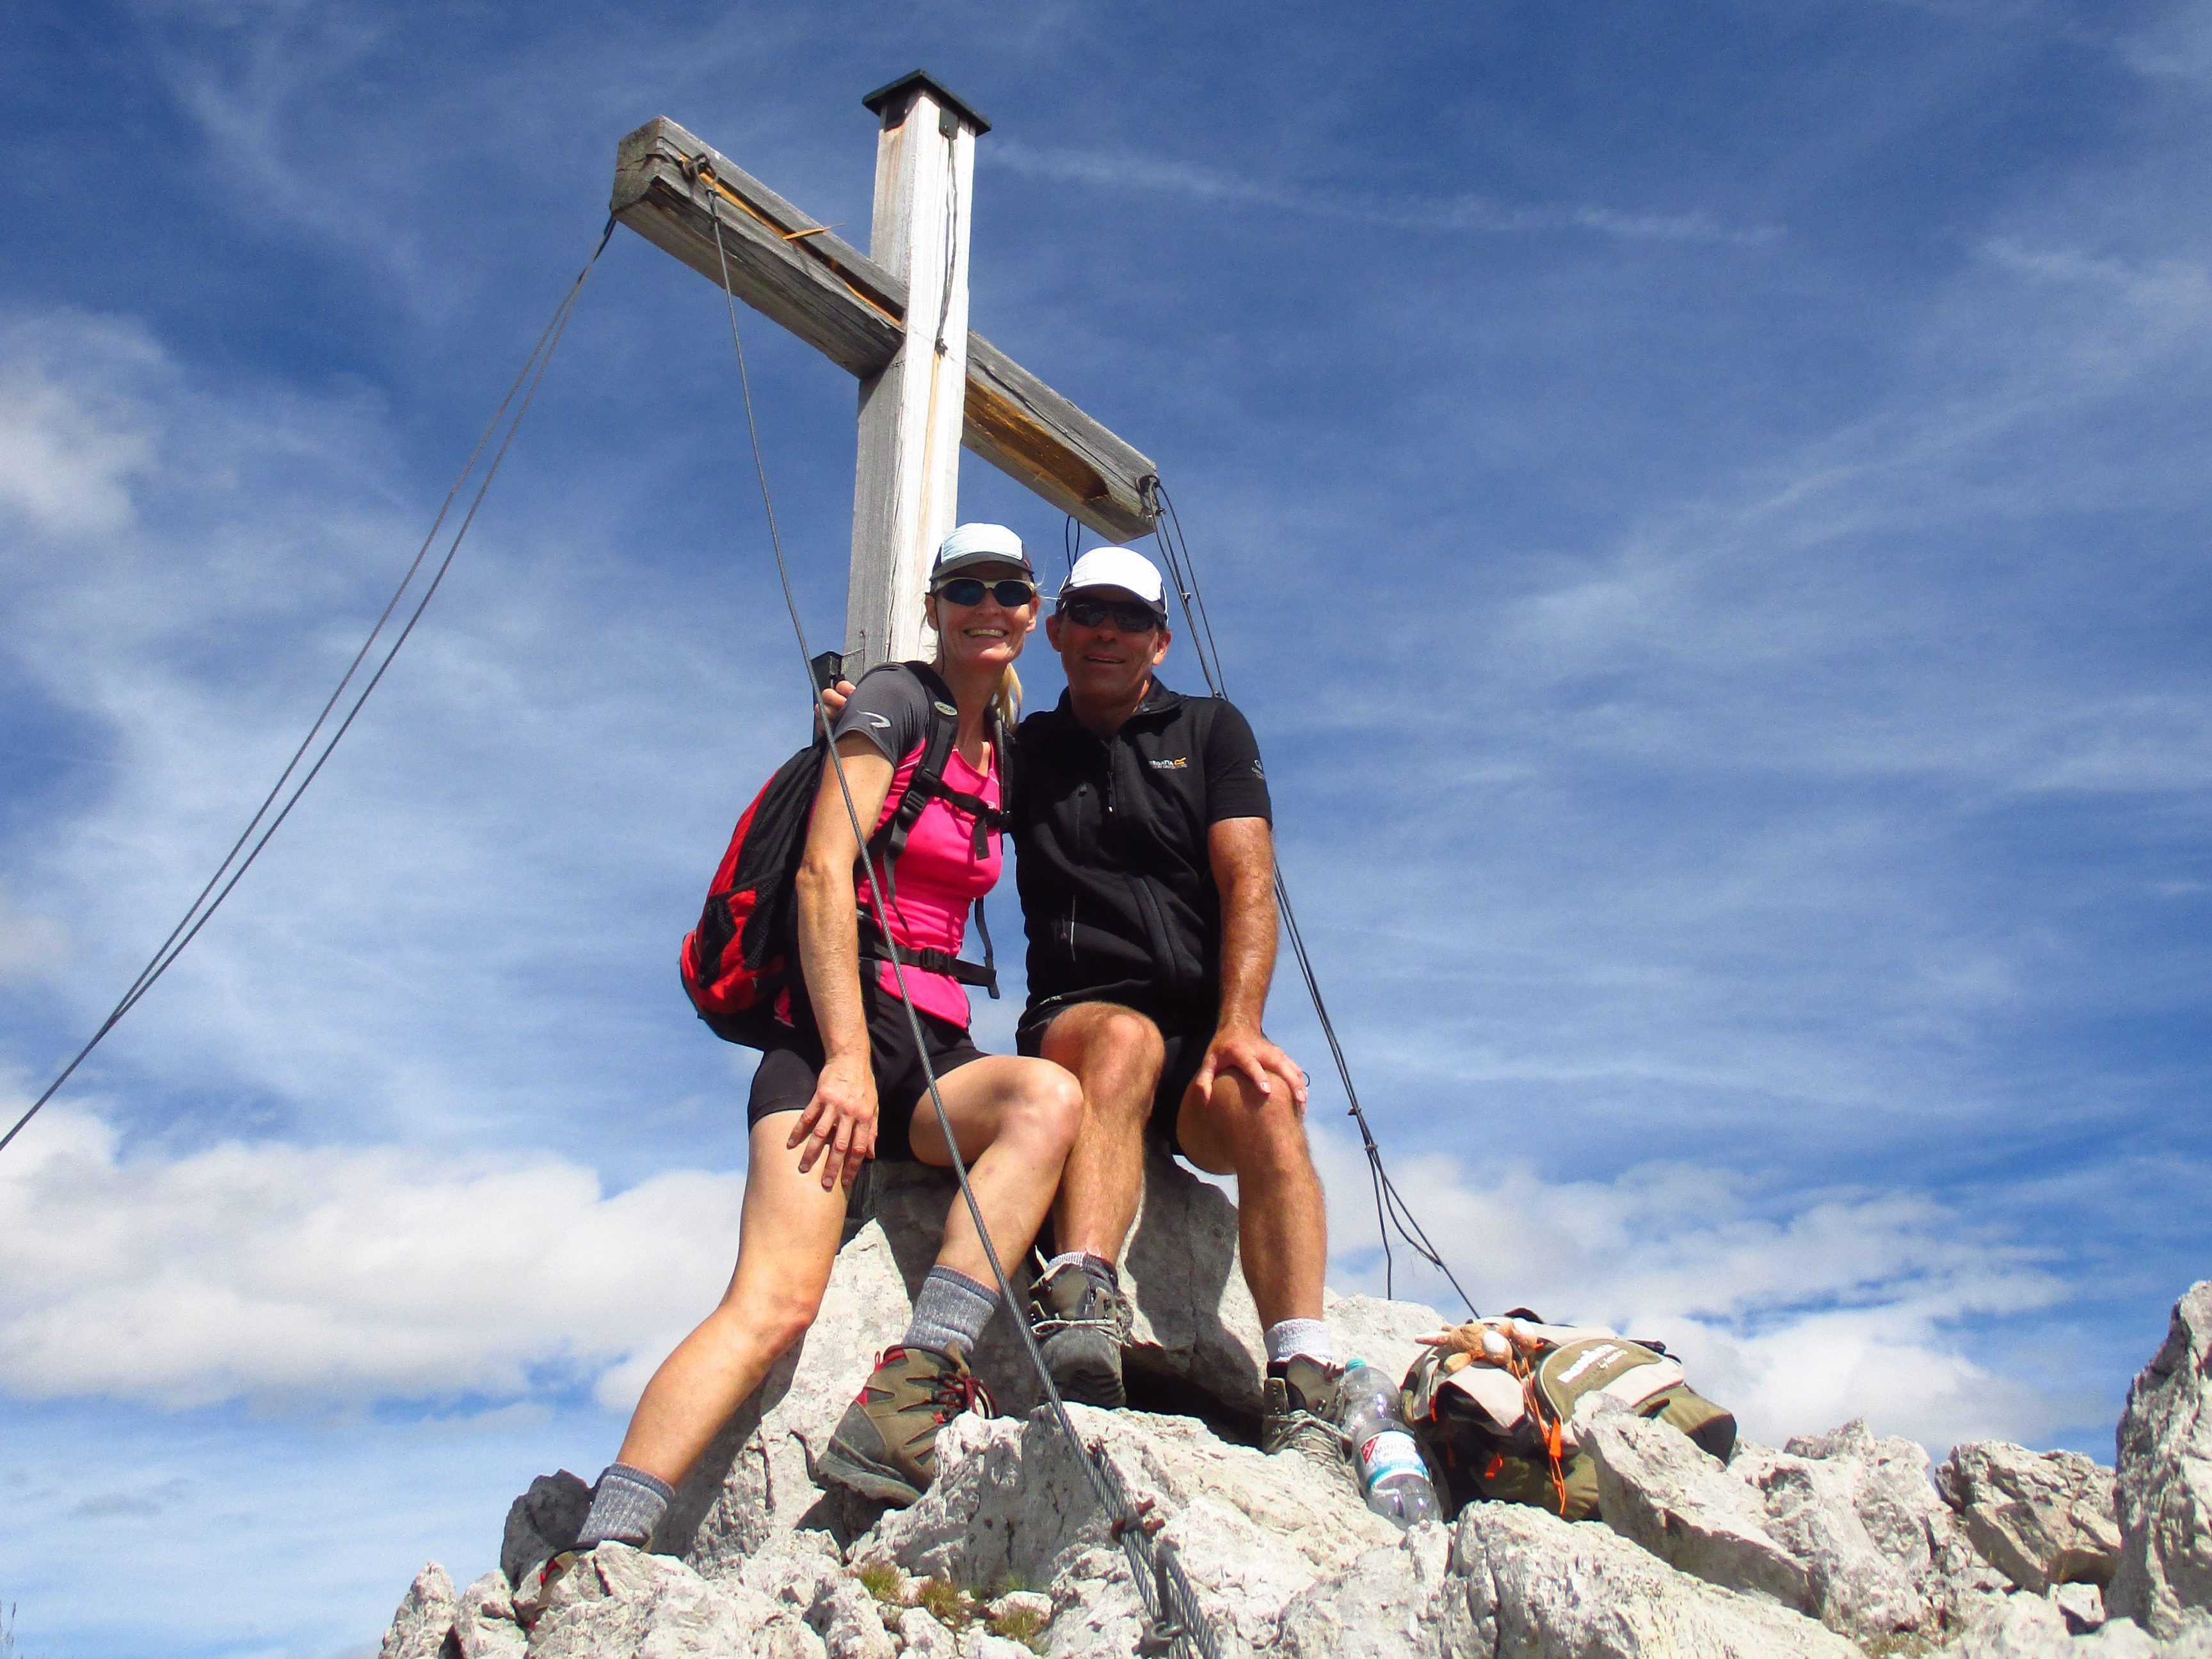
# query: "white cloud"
338 1276
73 443
1797 1311
1140 173
29 944
331 1276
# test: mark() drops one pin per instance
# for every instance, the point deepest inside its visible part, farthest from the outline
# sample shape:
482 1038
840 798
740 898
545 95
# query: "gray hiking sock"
951 1312
1097 1266
626 1506
1310 1337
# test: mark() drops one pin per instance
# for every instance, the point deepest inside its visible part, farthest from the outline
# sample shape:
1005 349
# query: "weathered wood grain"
906 483
804 276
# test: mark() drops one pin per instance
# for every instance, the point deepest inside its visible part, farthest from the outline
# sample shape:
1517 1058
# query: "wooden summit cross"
898 318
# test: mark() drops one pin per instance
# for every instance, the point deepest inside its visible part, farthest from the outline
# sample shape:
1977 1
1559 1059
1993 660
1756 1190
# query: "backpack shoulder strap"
927 780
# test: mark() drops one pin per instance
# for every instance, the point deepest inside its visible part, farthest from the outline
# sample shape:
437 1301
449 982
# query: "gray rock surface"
543 1522
1389 1604
2027 1626
1011 1504
1386 1335
425 1618
1195 1327
616 1602
485 1627
1842 1526
1656 1489
1531 1586
2164 1498
1696 1560
2041 1518
2082 1605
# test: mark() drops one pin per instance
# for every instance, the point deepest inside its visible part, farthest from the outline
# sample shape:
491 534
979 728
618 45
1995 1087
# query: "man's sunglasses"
1010 591
1093 613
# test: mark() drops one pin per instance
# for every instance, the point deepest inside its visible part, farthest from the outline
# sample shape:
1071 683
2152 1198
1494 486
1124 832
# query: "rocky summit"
1835 1546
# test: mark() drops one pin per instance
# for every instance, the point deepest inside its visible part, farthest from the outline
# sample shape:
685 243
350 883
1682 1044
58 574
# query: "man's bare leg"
1282 1226
1115 1053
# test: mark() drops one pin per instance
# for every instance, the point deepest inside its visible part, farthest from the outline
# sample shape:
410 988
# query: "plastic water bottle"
1392 1476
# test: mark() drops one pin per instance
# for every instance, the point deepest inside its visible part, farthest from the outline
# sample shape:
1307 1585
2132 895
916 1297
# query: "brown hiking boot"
1081 1321
1297 1412
885 1445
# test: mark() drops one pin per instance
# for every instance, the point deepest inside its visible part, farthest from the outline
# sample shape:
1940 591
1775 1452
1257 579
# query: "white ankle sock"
1309 1337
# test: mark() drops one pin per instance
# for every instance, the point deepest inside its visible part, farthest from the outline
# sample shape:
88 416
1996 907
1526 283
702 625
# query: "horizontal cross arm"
670 189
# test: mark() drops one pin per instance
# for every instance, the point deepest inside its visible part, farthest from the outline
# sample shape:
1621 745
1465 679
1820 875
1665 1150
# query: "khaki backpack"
1500 1406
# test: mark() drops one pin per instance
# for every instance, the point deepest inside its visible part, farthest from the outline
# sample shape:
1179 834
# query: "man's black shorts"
1186 1052
790 1065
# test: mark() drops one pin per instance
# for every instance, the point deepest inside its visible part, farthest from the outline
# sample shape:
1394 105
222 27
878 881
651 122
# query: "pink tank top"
937 879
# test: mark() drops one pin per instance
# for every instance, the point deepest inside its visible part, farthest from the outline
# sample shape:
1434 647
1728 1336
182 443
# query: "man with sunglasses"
1146 864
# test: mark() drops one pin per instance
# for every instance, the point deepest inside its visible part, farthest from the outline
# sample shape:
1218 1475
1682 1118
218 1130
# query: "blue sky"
1704 507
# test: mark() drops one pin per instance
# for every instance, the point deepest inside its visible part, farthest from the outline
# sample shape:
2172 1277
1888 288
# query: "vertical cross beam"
906 486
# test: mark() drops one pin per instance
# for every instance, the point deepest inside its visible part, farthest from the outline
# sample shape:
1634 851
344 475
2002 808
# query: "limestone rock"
2163 1498
2026 1626
485 1626
1195 1327
806 1572
1389 1604
1859 1588
1656 1488
2041 1518
425 1618
1012 1502
542 1523
922 1637
2082 1605
1531 1586
1383 1333
617 1601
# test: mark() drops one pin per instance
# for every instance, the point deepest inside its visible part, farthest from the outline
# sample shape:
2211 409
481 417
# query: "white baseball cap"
978 544
1117 567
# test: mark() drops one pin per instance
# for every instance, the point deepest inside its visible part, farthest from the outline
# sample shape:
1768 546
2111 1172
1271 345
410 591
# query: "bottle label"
1391 1452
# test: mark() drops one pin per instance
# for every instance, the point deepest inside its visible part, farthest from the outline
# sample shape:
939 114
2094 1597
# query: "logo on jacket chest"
1181 763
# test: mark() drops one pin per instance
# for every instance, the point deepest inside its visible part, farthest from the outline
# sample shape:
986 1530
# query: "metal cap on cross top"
893 98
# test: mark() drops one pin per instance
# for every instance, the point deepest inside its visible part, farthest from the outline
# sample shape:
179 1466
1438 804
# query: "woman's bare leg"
1014 1120
786 1245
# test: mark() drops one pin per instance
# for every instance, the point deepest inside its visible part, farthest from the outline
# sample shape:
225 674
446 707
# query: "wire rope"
234 867
1166 1593
1392 1212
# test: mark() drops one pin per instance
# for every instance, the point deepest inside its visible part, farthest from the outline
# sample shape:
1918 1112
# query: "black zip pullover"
1109 835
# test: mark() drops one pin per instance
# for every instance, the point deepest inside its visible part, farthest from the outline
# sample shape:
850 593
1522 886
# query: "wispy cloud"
323 1278
1798 1308
1139 175
71 444
29 944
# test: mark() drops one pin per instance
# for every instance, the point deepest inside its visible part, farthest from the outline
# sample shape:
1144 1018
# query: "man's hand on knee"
1249 1054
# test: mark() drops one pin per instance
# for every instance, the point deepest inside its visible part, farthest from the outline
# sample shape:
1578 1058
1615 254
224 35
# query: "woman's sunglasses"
1011 592
1129 618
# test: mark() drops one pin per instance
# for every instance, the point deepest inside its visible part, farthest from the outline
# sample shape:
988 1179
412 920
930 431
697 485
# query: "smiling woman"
869 1056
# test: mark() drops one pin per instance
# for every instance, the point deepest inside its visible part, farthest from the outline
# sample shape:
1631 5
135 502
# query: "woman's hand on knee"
838 1126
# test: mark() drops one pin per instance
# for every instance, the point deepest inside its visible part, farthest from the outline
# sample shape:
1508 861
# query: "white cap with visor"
1117 567
973 544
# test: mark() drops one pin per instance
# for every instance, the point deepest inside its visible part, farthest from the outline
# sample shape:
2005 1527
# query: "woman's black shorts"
789 1066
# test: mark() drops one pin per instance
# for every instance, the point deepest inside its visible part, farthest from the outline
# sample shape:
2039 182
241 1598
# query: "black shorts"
784 1081
1185 1053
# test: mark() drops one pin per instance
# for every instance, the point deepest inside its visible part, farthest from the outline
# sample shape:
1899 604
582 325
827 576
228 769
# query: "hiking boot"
885 1446
1081 1320
1298 1413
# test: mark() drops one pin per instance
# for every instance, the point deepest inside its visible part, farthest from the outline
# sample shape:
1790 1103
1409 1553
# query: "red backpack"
742 958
